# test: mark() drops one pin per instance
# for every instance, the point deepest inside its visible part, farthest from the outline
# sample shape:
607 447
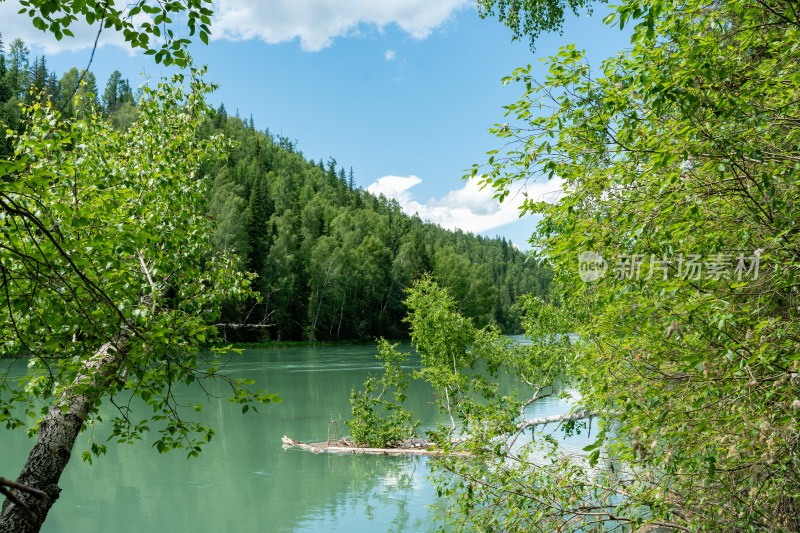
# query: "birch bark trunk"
57 434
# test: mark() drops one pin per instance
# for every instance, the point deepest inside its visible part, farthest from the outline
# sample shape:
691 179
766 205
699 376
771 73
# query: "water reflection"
244 480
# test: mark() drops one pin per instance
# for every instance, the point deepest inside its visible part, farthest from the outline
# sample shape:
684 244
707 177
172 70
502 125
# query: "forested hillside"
332 260
24 81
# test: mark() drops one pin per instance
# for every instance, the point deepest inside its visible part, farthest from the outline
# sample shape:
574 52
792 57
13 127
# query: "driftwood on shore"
409 447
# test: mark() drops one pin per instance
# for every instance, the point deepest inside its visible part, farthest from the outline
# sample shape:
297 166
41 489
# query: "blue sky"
402 91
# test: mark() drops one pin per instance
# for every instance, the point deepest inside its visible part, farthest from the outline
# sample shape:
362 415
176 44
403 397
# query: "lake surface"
244 480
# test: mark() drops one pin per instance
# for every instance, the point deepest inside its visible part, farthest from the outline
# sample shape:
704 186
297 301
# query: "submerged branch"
578 415
407 448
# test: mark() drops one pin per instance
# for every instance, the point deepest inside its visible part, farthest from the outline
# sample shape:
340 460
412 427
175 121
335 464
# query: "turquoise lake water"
244 480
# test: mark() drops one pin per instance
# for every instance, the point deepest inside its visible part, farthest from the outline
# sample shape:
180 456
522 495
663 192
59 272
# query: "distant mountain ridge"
332 261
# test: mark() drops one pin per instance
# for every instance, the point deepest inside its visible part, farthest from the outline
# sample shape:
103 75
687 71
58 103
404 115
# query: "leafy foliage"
73 93
679 152
379 422
138 21
477 374
152 291
101 318
531 18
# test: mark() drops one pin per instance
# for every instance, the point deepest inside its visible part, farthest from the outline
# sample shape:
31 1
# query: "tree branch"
20 486
578 415
91 58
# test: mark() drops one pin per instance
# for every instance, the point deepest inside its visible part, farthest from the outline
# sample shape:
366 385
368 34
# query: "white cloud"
20 25
317 22
469 208
394 187
389 55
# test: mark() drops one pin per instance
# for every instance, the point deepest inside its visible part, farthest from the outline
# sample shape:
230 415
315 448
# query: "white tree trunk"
579 415
57 434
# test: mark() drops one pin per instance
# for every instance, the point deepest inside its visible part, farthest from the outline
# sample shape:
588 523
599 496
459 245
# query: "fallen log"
412 447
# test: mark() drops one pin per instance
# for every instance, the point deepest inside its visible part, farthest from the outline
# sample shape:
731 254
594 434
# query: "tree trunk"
57 434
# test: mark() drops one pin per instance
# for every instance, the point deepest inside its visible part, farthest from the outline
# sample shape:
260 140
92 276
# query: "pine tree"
68 86
331 172
72 88
259 234
2 61
111 94
18 67
5 89
8 110
52 89
124 92
37 82
87 91
221 117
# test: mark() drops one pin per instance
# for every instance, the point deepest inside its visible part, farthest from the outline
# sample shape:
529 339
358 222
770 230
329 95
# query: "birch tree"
107 285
